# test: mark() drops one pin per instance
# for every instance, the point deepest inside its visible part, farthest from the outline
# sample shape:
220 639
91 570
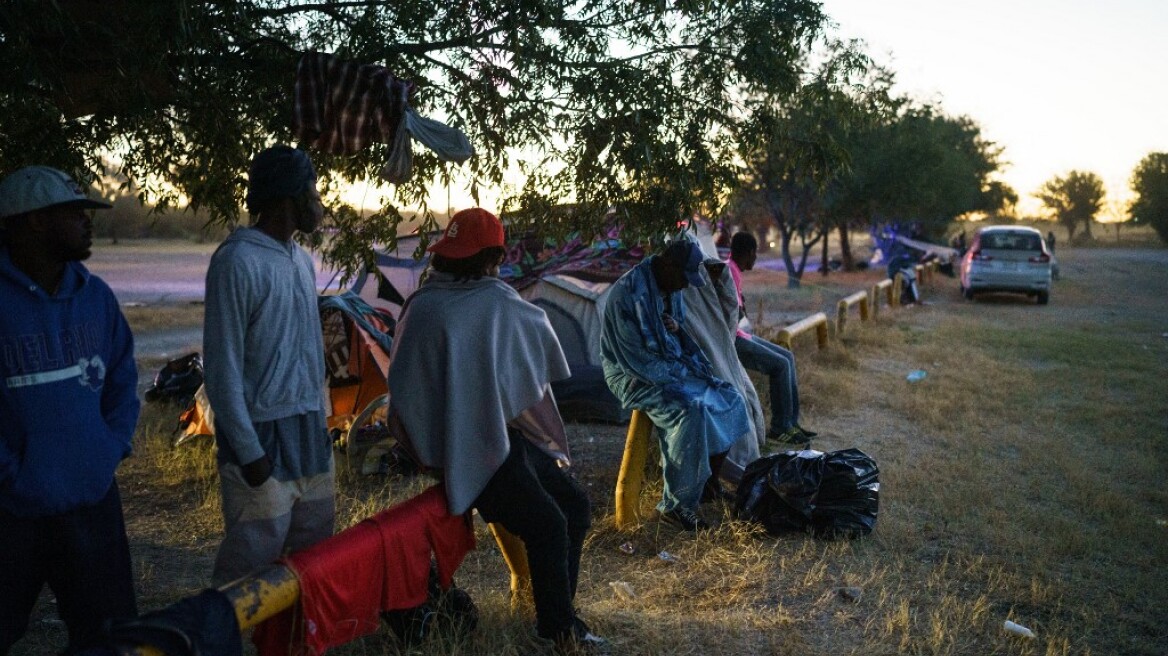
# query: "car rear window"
1011 241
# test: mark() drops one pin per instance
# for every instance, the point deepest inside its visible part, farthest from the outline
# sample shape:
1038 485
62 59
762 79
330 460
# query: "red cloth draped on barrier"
382 563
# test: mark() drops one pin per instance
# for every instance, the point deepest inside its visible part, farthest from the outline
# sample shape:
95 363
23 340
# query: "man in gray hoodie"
264 369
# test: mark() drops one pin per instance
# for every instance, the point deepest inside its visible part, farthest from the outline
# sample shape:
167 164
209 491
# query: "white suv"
1007 259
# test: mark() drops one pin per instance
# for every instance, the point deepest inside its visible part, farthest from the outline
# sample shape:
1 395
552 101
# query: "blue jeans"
778 365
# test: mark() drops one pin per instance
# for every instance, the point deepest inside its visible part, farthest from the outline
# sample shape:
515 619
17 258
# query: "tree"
612 103
924 166
1073 199
791 146
1149 181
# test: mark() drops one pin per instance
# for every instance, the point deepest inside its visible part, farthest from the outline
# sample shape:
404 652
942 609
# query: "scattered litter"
133 304
850 593
628 548
668 557
1162 522
916 375
1164 334
1017 629
623 590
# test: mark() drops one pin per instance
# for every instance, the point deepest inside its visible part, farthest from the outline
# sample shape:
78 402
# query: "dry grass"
146 318
1021 480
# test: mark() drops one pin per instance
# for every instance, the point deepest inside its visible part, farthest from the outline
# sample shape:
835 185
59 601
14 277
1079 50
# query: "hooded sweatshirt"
264 353
68 391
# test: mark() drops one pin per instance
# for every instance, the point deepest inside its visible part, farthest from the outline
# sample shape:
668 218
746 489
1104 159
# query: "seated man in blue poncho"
652 364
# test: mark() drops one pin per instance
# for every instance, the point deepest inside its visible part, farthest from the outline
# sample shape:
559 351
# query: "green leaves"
1149 181
1073 199
623 103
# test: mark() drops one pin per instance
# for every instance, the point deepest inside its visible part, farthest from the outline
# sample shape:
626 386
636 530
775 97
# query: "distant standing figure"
771 360
961 243
264 368
68 408
1050 240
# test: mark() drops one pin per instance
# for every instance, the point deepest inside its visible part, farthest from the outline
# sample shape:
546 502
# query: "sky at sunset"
1062 85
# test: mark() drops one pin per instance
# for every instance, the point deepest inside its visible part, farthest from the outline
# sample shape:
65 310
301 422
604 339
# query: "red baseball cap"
469 232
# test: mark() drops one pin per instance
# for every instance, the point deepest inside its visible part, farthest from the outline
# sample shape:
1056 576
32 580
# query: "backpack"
830 495
177 381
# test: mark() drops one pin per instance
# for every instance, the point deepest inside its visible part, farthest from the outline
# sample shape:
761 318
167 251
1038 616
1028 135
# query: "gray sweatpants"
263 523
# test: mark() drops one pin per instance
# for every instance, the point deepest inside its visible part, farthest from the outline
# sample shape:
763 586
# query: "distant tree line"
129 219
840 152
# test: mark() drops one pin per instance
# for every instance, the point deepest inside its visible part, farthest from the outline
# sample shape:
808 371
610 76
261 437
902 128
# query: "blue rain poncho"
666 376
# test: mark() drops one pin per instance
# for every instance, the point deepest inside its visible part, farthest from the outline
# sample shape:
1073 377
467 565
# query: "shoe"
792 436
685 519
806 433
713 491
581 641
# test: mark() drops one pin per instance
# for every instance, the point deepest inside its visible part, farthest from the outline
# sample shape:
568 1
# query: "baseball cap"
469 232
688 255
37 187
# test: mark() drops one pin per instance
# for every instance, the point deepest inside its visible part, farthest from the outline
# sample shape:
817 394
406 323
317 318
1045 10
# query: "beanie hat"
278 172
687 255
469 232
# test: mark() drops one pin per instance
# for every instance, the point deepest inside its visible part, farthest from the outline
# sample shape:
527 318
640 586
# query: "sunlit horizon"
1069 85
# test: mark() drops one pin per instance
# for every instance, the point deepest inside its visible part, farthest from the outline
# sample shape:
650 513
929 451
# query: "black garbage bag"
177 381
450 612
831 495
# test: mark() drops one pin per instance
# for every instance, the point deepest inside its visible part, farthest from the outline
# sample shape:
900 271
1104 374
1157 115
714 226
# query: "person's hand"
257 472
670 322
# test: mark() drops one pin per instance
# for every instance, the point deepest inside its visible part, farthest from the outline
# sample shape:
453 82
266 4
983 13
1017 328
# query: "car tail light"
980 257
1040 259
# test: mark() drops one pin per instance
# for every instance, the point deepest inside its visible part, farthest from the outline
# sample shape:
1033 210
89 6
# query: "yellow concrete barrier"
276 588
859 298
255 599
817 321
885 287
515 555
632 470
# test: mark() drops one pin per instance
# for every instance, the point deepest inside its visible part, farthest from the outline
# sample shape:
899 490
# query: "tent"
568 280
356 341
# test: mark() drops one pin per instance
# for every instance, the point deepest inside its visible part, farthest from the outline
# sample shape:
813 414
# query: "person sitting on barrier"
771 360
712 311
470 393
68 407
652 363
902 260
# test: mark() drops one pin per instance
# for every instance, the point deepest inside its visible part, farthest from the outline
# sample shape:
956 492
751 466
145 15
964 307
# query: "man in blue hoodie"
264 370
68 407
